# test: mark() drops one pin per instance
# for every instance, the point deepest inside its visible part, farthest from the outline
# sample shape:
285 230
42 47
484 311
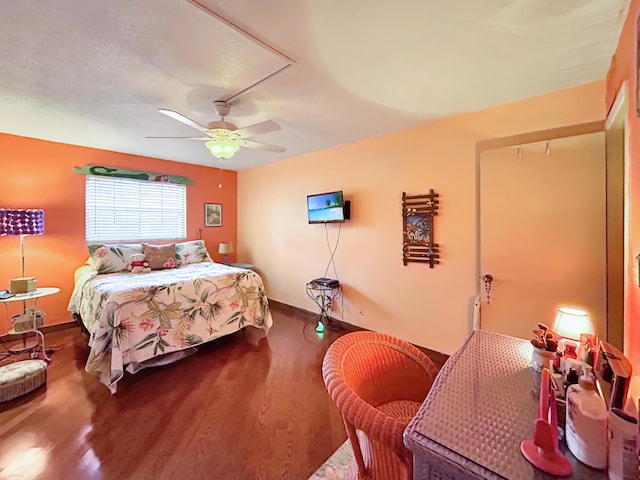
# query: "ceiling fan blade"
183 119
258 129
262 146
186 138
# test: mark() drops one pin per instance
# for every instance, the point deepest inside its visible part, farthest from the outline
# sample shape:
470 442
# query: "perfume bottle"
557 362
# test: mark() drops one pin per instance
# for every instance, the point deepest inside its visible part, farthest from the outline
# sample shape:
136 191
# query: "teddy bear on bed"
137 264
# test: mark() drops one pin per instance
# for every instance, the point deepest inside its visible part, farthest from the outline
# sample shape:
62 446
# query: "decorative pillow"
112 258
192 252
160 256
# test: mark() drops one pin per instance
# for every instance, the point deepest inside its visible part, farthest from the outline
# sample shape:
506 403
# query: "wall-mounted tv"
326 207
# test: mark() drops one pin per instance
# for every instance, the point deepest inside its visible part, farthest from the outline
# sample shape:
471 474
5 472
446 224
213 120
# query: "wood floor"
240 408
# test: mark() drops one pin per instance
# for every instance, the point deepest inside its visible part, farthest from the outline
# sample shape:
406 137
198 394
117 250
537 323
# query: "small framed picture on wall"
212 214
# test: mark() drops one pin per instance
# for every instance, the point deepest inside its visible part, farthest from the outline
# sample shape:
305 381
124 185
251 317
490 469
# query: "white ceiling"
94 73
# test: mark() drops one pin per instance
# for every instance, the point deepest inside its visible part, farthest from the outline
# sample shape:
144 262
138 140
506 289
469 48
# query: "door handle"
487 278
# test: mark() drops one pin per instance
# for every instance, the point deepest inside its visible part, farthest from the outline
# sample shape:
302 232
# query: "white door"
543 232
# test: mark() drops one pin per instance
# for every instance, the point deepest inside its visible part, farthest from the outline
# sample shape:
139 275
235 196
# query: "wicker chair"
378 383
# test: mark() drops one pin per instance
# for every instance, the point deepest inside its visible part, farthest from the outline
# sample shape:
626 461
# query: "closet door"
542 216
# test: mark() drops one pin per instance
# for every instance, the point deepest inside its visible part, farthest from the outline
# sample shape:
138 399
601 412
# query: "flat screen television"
326 207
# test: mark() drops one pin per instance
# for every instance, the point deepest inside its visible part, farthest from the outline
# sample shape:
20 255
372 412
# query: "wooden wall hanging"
417 231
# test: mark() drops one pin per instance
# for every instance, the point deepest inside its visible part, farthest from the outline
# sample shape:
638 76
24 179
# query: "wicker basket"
20 378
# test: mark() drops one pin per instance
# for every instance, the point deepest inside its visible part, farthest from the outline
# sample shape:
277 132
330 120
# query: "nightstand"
31 297
247 266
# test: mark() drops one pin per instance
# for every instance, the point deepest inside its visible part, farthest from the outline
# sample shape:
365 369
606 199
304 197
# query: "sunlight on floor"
23 460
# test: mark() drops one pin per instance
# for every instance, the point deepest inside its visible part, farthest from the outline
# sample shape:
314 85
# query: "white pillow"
192 252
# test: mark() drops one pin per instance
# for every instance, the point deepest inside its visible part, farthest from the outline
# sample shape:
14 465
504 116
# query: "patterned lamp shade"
21 222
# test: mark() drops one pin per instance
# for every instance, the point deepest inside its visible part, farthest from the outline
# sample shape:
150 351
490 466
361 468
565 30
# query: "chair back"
380 371
378 382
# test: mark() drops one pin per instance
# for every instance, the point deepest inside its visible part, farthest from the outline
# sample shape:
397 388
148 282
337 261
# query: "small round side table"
33 298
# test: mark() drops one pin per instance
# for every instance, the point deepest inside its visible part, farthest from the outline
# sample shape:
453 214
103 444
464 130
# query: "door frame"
620 109
512 141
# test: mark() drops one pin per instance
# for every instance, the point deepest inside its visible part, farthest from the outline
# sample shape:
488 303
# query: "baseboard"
56 327
438 357
311 316
290 309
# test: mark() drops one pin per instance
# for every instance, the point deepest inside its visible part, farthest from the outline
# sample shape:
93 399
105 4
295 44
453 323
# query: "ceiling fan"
224 138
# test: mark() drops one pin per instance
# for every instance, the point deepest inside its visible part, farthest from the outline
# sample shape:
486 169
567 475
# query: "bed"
136 319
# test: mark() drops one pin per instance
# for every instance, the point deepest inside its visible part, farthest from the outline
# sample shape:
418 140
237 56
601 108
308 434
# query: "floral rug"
336 467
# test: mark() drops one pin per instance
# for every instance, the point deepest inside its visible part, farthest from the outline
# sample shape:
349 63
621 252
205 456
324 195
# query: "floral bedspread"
135 317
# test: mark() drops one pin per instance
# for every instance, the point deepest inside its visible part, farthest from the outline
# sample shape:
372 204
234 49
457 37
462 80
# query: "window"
126 210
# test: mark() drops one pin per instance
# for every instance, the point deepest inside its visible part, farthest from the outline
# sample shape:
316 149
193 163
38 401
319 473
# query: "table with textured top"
482 405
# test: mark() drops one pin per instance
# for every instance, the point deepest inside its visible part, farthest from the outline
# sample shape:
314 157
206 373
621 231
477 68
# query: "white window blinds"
126 210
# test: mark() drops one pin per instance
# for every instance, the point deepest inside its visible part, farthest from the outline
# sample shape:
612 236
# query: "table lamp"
21 222
225 248
569 324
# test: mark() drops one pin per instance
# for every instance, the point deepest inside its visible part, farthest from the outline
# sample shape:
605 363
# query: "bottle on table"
586 422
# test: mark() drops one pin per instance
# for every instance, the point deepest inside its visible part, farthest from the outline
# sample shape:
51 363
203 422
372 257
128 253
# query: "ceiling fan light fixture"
223 139
222 147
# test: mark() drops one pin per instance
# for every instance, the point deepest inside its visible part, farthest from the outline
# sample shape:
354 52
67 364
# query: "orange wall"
430 307
623 68
38 174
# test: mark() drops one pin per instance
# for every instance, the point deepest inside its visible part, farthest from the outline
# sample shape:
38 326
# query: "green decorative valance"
133 174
